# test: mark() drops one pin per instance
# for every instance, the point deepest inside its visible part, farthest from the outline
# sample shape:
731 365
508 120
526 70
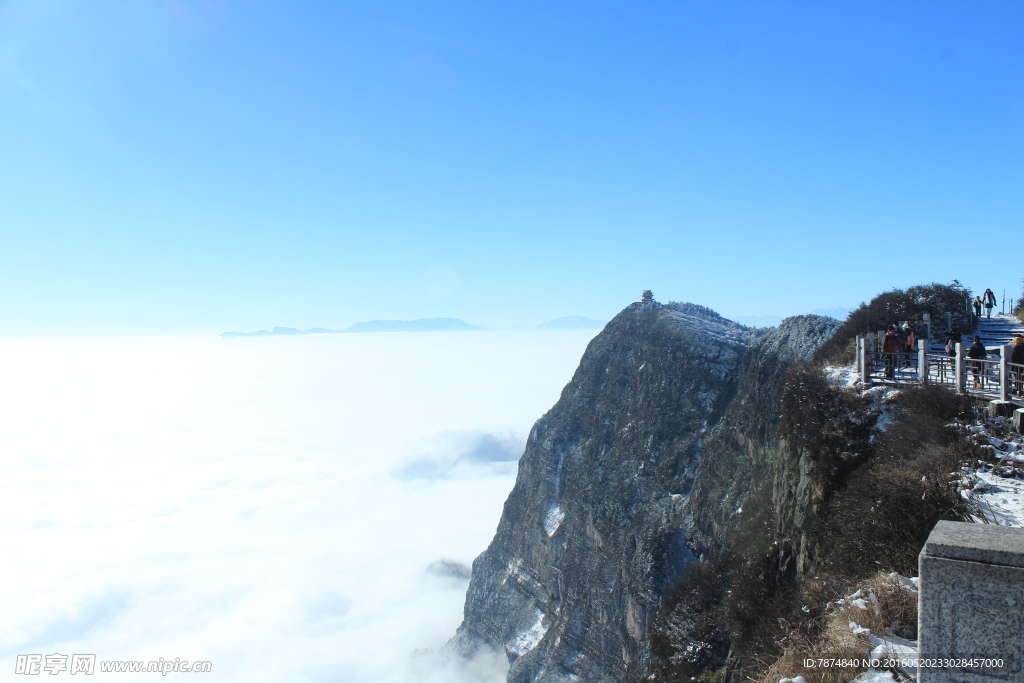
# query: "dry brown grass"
891 609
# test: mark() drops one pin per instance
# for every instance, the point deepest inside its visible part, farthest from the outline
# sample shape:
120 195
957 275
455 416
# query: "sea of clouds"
287 508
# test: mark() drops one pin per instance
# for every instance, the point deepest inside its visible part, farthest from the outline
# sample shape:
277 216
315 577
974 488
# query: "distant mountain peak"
419 325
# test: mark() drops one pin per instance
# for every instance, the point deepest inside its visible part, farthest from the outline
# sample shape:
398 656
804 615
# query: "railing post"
859 345
1004 376
927 319
922 363
961 370
865 360
968 573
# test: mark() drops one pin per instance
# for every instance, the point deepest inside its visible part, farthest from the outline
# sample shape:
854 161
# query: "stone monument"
972 603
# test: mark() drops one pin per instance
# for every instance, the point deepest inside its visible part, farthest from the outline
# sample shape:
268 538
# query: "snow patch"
842 376
553 520
1001 499
530 638
881 400
875 676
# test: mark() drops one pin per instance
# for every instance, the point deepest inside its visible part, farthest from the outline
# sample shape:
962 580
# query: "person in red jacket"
890 347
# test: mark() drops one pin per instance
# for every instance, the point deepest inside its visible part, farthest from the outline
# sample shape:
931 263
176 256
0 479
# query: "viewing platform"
992 377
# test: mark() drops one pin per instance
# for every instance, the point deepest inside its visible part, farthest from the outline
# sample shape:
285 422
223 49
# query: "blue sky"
194 166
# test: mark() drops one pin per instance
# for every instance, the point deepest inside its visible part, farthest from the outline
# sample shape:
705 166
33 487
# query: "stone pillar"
865 360
859 343
1018 419
1004 375
961 370
927 320
999 408
971 602
922 363
949 323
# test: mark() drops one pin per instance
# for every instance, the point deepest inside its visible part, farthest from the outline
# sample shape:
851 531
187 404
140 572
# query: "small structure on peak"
647 296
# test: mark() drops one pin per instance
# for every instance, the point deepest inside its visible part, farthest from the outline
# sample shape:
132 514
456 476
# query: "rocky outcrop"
753 490
596 526
667 440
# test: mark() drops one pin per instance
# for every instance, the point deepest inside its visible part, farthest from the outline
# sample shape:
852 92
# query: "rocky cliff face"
601 522
596 526
753 487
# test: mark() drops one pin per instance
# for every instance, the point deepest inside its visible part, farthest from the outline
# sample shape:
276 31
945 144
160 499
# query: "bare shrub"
684 636
889 506
830 425
727 603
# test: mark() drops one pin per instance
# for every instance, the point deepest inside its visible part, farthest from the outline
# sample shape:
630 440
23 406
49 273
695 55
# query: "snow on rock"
892 647
908 583
1001 499
842 376
881 400
553 520
531 637
875 676
859 630
997 489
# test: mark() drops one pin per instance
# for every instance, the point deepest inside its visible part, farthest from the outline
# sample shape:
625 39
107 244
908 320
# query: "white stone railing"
992 377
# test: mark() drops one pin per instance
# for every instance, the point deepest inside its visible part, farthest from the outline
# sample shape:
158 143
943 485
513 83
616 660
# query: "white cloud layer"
288 508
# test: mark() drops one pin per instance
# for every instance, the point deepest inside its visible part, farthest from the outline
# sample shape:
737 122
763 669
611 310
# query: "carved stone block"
972 602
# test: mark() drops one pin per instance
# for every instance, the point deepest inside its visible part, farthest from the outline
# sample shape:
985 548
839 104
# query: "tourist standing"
977 306
890 347
1017 365
989 299
952 340
908 337
976 353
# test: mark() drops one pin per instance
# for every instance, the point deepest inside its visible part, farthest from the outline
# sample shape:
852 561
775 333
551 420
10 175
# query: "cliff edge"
596 527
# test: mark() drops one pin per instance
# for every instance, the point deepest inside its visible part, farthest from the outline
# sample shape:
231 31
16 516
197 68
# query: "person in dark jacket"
989 299
977 352
890 347
1017 359
977 306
